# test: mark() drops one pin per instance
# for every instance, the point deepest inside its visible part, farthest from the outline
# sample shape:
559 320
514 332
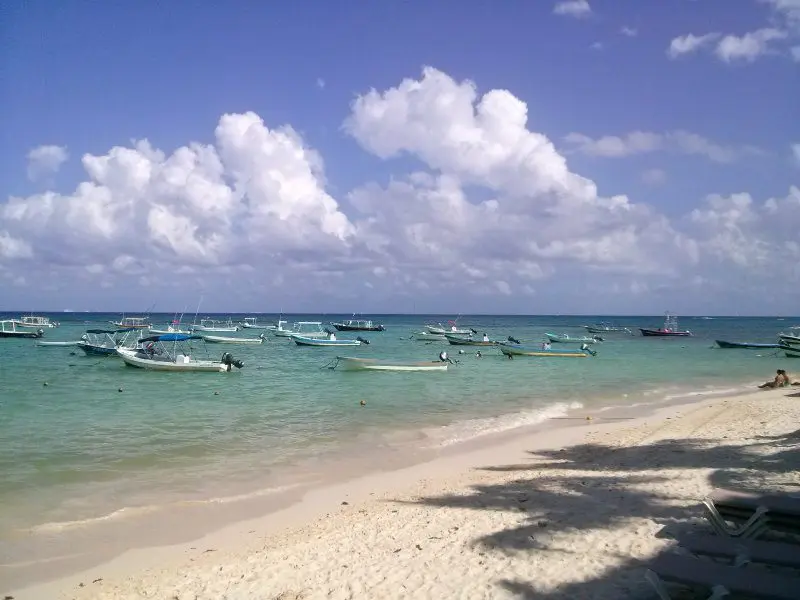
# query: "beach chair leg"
717 592
752 528
655 581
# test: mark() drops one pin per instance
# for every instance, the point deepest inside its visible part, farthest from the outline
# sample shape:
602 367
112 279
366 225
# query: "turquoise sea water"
78 449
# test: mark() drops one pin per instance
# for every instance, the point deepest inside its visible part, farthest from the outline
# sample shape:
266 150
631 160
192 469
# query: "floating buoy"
119 390
363 403
216 393
45 384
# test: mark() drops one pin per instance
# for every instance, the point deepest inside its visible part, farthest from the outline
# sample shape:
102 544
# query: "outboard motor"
228 360
362 340
513 340
443 357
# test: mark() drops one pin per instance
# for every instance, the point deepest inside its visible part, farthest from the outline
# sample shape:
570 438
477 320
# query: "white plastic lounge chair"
756 513
742 551
722 580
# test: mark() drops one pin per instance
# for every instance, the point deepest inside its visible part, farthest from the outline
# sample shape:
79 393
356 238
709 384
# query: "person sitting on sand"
781 380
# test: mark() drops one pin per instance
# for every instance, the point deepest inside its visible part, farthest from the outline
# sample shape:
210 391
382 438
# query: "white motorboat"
214 326
221 339
309 329
348 363
36 322
169 353
12 329
252 323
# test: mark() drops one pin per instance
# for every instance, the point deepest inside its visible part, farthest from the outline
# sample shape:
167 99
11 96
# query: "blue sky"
717 118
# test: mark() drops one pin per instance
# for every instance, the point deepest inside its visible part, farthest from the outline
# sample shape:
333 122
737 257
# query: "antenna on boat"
199 302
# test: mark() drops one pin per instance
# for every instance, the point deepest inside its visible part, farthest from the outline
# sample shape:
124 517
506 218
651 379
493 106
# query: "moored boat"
252 323
724 344
104 342
308 329
427 336
59 344
132 323
607 328
451 329
221 339
168 353
564 338
457 340
669 329
36 322
11 328
792 352
512 350
358 325
330 341
215 326
789 339
373 364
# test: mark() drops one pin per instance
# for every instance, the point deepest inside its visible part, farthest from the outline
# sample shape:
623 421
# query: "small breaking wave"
135 511
464 431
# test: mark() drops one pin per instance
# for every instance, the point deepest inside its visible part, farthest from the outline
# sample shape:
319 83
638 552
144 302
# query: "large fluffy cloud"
491 207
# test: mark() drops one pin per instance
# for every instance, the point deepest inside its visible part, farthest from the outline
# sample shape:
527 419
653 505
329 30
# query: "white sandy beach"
573 513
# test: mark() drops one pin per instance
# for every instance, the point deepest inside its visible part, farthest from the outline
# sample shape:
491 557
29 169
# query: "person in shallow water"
781 380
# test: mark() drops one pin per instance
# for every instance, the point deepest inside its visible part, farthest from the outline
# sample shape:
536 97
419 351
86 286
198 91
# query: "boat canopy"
171 337
102 331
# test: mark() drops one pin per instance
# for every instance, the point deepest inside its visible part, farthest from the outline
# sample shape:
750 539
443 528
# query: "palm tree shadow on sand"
554 499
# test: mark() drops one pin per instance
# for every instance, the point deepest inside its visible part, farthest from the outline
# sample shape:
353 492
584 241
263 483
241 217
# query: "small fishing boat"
132 323
36 322
457 340
309 329
670 329
520 350
215 326
358 325
174 327
724 344
607 328
252 323
44 344
220 339
330 341
373 364
451 329
789 339
427 336
168 352
12 329
104 342
564 338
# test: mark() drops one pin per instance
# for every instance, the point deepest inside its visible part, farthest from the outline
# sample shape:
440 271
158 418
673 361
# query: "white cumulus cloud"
45 160
686 44
573 8
641 142
749 46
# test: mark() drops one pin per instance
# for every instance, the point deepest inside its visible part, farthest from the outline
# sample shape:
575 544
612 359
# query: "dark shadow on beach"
597 499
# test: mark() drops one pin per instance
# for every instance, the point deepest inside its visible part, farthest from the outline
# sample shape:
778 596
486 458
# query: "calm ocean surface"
78 449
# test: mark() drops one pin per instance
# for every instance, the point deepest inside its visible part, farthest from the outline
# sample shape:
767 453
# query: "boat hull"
662 333
132 359
59 344
724 344
371 364
307 341
202 328
560 339
460 341
218 339
792 353
514 350
442 331
28 335
593 329
346 327
95 350
791 340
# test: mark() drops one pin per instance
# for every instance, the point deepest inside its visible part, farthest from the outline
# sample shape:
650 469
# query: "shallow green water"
78 448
